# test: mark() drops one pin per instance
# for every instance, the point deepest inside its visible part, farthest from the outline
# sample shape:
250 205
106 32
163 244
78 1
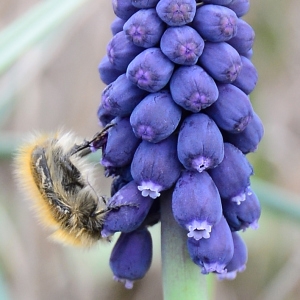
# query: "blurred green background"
53 82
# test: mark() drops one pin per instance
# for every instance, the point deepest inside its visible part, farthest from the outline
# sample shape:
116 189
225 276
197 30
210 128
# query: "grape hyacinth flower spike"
179 74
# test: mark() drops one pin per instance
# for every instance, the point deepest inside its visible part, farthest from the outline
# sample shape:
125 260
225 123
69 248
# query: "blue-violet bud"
243 215
176 12
239 259
131 256
121 51
200 143
123 8
182 45
192 88
213 254
155 167
121 144
232 175
121 96
221 61
218 2
244 39
144 28
117 25
233 110
215 23
151 70
107 71
156 117
247 77
196 204
247 140
144 3
240 7
128 210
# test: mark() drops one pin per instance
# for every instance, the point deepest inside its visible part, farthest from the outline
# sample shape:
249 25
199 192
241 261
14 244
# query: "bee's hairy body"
62 186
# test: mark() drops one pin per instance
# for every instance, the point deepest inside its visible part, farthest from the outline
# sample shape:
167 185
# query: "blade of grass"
34 26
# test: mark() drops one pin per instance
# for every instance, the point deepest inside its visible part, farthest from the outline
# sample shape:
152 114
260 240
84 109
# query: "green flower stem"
41 20
181 277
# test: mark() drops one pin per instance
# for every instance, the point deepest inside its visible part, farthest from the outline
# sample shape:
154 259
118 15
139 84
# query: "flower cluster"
179 75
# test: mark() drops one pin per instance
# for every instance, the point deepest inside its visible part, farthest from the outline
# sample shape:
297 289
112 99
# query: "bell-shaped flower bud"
215 23
104 116
213 254
144 28
121 144
243 215
176 12
247 140
232 175
182 45
151 70
196 204
155 167
121 96
131 256
244 39
144 3
200 143
239 259
192 88
221 61
123 8
107 71
121 51
117 25
218 2
240 7
233 110
247 77
156 117
128 210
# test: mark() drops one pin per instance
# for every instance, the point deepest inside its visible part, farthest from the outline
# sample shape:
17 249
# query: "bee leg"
97 142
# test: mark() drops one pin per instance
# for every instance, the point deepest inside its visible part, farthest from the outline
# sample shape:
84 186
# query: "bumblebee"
55 173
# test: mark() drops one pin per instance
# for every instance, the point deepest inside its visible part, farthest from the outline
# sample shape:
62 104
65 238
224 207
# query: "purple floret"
247 77
232 175
193 89
213 254
215 23
176 12
243 215
218 2
144 28
156 117
121 96
131 256
144 3
244 39
123 8
151 70
155 167
182 45
121 144
247 140
121 51
128 210
196 204
240 7
221 61
239 259
107 71
200 143
117 25
233 110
